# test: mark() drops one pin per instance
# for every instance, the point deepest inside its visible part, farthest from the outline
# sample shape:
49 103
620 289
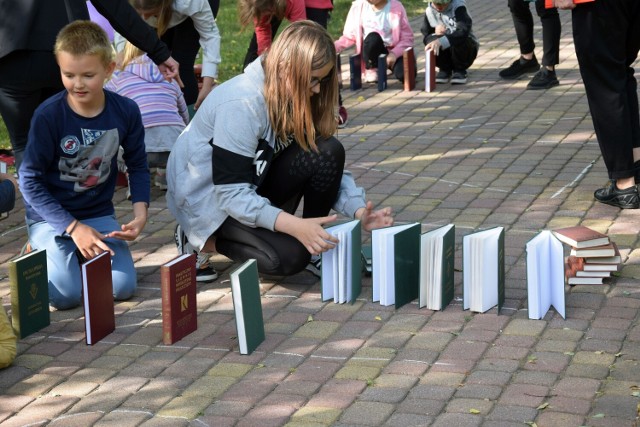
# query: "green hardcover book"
437 255
396 264
29 285
245 288
483 270
342 265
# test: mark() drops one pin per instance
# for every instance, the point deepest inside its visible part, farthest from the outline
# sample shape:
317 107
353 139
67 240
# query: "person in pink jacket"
377 27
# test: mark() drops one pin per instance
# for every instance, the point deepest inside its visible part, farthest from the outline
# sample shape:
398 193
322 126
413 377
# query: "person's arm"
426 29
8 188
351 28
126 21
263 33
405 39
462 31
135 158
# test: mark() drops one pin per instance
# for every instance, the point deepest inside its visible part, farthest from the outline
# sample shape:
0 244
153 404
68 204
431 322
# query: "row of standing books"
30 298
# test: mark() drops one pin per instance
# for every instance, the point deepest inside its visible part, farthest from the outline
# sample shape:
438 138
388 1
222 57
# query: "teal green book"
396 264
29 284
342 265
437 256
245 288
483 270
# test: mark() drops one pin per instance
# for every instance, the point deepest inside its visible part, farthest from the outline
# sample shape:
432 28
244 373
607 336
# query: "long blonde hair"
164 8
302 47
250 10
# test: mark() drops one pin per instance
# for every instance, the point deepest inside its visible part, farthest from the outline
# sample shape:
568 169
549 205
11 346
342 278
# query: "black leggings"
293 174
372 48
184 42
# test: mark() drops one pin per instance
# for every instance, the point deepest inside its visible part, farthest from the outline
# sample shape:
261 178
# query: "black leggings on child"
372 48
293 174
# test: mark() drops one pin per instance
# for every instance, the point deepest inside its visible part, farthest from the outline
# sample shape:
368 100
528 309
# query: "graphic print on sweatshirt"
91 164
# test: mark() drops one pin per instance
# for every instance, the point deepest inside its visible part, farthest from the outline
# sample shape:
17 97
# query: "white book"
342 266
545 275
436 267
395 253
483 270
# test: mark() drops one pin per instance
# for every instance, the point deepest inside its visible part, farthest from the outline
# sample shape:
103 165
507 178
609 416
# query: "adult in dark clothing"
606 34
28 67
545 77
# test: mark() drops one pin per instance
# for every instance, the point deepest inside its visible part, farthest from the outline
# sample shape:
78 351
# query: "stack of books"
593 256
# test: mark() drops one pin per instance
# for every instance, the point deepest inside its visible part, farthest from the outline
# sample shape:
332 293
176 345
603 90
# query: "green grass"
235 41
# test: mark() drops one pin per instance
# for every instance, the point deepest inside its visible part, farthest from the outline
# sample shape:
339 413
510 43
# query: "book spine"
355 72
409 63
382 72
15 298
429 71
167 324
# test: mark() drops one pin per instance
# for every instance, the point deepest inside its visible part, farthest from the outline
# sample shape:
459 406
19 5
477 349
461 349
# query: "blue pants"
63 267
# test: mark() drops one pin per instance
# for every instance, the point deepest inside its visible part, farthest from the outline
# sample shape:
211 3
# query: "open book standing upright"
396 264
545 275
436 267
483 270
342 265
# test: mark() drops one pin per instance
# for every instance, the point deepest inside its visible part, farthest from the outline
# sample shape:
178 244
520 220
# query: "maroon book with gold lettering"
179 311
97 290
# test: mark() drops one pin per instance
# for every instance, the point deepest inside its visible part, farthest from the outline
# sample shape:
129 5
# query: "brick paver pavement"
485 154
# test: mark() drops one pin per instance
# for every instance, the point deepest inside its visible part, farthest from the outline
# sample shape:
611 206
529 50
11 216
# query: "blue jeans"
63 267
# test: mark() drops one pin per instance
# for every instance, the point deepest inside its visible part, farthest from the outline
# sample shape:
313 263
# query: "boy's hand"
89 241
440 30
434 46
132 230
371 219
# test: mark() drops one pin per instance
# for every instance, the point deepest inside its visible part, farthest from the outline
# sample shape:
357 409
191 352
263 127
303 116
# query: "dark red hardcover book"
97 288
179 309
581 237
409 58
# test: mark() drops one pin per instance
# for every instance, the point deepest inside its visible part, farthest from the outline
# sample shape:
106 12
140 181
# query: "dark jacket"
34 24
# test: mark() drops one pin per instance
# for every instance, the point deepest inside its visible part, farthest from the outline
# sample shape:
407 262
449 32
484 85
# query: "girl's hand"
371 219
391 60
89 241
308 231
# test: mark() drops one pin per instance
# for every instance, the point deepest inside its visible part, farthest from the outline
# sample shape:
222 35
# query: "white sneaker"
204 271
371 76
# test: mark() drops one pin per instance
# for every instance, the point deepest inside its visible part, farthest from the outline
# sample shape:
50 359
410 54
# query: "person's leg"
294 174
63 268
372 48
523 25
463 55
605 68
551 29
28 78
184 42
321 16
252 50
123 272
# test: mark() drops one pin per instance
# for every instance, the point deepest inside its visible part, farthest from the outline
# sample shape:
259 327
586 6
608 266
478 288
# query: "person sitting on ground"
7 340
162 104
68 175
447 31
377 27
545 77
238 172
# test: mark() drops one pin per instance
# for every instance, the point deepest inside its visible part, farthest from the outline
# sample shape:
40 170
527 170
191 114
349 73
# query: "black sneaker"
519 67
623 199
459 77
204 271
544 79
443 76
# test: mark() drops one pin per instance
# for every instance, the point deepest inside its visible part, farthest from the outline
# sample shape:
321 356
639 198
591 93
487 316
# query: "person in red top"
606 34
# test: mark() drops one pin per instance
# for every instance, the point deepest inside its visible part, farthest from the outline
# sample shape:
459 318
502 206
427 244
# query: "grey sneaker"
315 265
204 271
443 76
459 78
